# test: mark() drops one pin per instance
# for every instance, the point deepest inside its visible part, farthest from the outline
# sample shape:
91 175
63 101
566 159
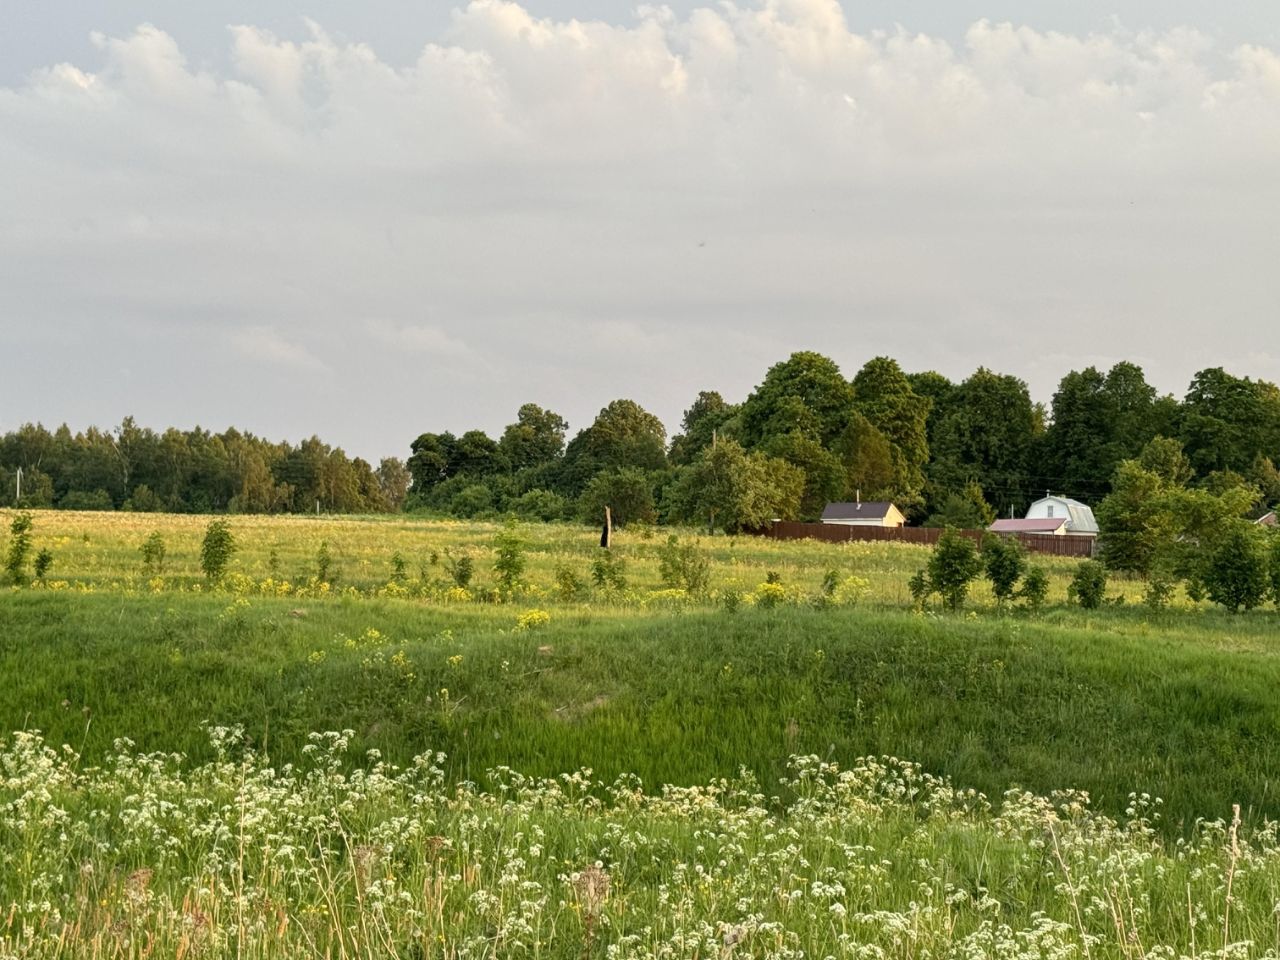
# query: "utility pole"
17 496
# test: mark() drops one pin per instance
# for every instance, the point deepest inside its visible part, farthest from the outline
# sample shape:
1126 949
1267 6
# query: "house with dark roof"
864 513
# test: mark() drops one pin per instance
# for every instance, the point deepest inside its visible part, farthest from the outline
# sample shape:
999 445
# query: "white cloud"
587 210
265 344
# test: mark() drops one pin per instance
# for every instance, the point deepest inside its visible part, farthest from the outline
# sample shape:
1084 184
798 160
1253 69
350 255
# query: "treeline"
190 471
949 454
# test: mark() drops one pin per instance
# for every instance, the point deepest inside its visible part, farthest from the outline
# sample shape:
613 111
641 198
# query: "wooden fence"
1061 546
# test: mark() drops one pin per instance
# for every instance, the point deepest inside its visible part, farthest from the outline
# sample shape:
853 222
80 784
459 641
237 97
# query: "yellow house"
864 513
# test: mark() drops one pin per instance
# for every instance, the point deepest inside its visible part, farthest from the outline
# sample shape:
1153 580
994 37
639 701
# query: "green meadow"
109 667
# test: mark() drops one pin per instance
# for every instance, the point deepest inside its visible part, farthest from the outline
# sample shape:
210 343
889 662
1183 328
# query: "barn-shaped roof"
1080 517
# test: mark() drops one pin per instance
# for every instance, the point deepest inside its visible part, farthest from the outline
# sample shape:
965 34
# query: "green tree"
805 393
1235 570
1089 584
953 565
19 547
535 439
153 551
628 492
824 475
43 564
509 559
882 393
732 490
867 459
988 439
967 510
624 436
216 550
1004 561
1228 422
708 417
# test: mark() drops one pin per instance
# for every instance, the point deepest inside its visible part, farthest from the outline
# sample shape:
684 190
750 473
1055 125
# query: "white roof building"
1080 519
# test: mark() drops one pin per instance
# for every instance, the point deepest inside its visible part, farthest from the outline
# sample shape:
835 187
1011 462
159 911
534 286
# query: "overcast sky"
369 220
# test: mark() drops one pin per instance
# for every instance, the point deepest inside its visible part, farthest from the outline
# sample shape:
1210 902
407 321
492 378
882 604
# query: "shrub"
682 567
920 588
44 560
1004 562
19 546
540 505
1235 571
1089 585
1035 588
460 569
153 550
609 571
569 585
1159 591
953 565
216 551
770 594
323 562
471 501
509 558
399 572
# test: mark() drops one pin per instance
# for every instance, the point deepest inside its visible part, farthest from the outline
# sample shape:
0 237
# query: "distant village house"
864 513
1057 516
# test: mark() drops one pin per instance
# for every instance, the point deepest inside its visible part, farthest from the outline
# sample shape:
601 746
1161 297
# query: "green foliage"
967 510
540 505
920 588
509 557
1235 570
805 393
399 569
953 565
1004 561
1035 588
19 547
709 417
460 569
472 501
882 393
569 586
1151 520
1089 585
626 491
682 566
987 437
1159 591
44 562
323 562
152 551
216 550
609 571
730 489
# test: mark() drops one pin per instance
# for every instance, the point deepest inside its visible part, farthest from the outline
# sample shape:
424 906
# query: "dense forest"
947 453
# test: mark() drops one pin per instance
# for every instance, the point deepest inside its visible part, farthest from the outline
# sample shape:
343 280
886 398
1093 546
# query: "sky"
370 221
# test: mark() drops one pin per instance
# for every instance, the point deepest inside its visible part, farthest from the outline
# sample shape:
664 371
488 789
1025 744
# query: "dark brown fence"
1062 546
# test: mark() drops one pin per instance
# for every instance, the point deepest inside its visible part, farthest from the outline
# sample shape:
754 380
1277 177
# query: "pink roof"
1045 525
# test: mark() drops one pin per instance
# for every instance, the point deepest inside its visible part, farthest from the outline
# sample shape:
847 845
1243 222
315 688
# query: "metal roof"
1046 525
864 510
1079 515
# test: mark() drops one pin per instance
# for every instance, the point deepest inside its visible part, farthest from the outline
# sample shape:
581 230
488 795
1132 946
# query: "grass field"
642 685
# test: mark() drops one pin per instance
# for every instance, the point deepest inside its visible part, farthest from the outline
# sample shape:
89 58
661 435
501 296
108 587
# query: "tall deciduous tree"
882 393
